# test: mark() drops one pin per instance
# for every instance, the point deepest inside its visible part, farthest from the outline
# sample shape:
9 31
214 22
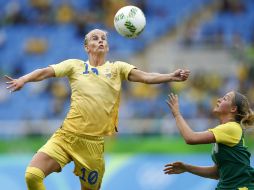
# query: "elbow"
44 73
191 138
190 141
41 74
217 175
146 80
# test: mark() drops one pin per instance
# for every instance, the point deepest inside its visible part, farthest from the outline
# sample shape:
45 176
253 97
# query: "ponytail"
247 121
244 115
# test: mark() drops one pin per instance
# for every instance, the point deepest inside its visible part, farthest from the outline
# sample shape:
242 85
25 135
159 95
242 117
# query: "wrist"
23 79
185 167
177 115
171 76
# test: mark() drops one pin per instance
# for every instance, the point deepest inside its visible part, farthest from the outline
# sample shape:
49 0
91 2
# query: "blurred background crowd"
37 33
212 38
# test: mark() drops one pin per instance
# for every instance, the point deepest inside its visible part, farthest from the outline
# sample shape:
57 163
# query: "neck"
96 60
224 119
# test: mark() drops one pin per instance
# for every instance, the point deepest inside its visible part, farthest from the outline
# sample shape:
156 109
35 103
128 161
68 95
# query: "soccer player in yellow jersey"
230 155
93 114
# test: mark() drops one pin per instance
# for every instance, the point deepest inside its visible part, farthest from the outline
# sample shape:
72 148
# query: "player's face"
97 42
224 104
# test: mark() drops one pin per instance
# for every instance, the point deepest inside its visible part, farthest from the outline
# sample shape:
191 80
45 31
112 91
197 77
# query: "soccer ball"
129 21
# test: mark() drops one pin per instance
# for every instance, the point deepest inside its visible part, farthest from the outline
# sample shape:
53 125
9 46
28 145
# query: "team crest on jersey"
107 73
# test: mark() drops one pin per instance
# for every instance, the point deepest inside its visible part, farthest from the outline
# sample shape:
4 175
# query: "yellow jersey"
229 133
95 95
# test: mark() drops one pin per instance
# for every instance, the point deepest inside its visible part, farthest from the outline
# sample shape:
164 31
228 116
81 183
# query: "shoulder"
122 65
68 65
73 63
224 132
119 62
76 61
231 128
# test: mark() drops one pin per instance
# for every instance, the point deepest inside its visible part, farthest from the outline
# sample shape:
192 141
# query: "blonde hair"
244 114
86 36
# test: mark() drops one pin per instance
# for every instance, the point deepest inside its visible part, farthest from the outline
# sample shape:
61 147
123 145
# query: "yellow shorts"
85 151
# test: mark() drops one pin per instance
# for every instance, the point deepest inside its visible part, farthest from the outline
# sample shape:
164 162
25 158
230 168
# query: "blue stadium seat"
64 43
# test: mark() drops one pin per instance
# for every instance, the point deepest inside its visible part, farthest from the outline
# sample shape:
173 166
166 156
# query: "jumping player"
93 114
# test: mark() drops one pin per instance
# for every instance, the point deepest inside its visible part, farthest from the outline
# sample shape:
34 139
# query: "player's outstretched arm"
187 133
34 76
203 171
155 78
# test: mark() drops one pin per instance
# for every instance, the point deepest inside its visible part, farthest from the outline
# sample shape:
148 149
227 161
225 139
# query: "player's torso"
87 79
233 164
95 93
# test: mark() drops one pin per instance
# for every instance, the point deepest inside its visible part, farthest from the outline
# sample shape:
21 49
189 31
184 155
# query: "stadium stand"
35 34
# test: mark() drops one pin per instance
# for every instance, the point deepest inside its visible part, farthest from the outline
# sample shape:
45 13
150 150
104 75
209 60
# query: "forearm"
157 78
207 172
37 75
187 133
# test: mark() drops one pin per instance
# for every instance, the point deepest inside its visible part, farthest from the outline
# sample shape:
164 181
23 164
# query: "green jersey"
232 158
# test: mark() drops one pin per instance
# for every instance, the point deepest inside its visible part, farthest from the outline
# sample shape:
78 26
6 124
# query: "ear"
86 48
234 109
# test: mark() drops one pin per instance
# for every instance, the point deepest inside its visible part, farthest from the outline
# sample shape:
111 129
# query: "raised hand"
173 104
14 84
180 75
174 168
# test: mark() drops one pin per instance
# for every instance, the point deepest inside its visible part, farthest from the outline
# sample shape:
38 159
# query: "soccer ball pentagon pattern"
129 21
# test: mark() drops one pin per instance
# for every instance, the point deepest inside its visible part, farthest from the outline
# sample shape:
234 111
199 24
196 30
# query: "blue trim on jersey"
86 69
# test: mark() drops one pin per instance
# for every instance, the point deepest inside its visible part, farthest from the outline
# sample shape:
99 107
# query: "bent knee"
34 178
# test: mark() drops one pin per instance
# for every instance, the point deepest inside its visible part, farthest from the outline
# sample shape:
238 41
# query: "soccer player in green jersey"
96 86
230 155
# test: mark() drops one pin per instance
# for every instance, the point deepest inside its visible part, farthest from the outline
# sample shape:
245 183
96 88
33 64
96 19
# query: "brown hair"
244 114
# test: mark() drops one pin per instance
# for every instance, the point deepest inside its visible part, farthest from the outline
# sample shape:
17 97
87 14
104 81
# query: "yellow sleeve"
64 68
124 69
229 133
